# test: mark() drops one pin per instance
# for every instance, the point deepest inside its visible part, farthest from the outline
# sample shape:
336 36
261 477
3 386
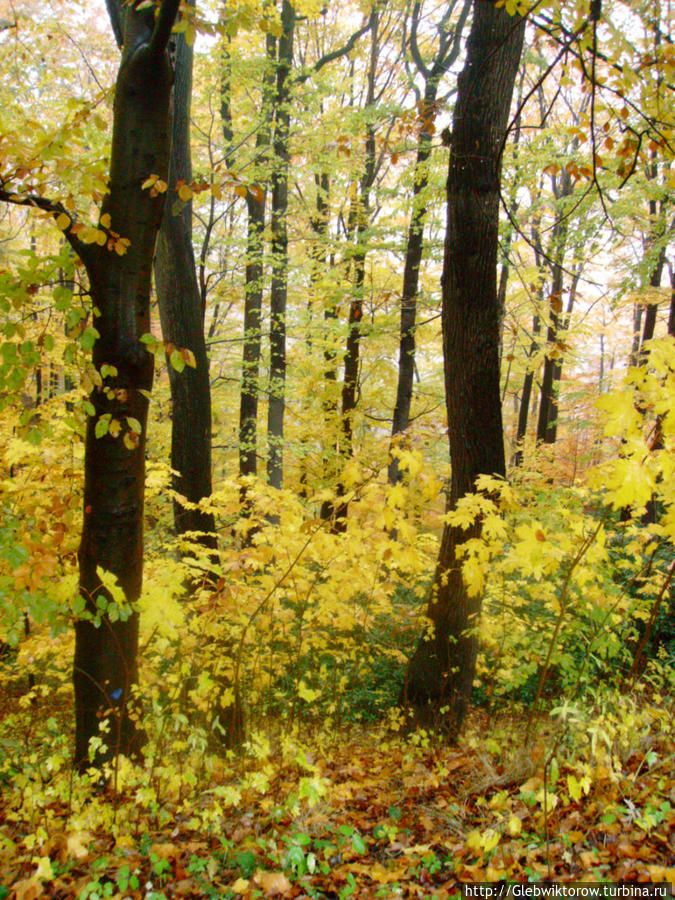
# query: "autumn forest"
337 448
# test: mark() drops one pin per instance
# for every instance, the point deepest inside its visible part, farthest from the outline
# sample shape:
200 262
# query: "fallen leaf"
273 883
27 889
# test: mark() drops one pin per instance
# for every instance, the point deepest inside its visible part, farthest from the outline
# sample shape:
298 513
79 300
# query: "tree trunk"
411 271
182 318
253 293
440 673
526 394
279 285
105 668
350 382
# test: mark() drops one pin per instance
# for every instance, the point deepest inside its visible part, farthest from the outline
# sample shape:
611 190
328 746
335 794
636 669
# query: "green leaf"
358 844
177 361
102 425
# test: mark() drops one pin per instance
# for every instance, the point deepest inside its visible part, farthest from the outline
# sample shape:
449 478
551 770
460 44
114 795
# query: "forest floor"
363 814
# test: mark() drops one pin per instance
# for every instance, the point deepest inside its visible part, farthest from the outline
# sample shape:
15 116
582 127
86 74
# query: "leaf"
176 360
28 889
63 221
102 425
273 883
105 220
514 826
44 868
185 192
134 424
241 191
240 885
149 182
189 358
358 844
306 693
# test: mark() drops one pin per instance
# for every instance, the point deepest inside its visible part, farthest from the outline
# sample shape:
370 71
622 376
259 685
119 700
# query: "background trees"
316 190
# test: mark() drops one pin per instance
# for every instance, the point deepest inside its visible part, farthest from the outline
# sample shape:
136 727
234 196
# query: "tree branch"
414 47
86 252
335 54
165 22
116 17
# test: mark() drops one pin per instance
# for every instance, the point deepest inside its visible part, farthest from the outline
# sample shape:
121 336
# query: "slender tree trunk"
182 318
411 270
279 285
350 383
440 673
552 429
105 667
256 200
525 396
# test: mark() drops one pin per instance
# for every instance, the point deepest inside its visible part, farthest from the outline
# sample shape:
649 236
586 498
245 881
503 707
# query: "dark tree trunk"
525 396
182 318
411 270
105 668
279 285
552 429
448 50
253 296
350 383
440 673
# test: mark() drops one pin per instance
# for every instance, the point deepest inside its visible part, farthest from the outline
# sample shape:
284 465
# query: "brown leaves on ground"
364 816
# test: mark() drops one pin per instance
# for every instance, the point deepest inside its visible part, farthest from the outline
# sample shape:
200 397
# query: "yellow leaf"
490 840
240 191
239 886
473 841
306 693
515 826
105 220
100 237
63 221
185 192
148 183
44 868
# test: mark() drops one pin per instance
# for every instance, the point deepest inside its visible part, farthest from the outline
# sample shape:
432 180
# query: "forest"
337 448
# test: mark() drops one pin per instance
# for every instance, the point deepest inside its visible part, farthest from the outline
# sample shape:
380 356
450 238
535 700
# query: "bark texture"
105 667
440 673
182 318
279 285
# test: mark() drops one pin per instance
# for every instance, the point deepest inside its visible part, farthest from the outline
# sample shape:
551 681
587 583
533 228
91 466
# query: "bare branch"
335 54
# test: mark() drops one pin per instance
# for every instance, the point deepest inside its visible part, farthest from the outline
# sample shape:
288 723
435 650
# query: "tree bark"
440 673
448 50
411 270
253 292
105 667
525 396
279 284
182 319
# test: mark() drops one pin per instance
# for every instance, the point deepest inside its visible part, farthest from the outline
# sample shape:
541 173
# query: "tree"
440 672
182 317
119 268
448 50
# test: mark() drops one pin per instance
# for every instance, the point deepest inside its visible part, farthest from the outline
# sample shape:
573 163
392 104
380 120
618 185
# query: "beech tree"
440 673
119 269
